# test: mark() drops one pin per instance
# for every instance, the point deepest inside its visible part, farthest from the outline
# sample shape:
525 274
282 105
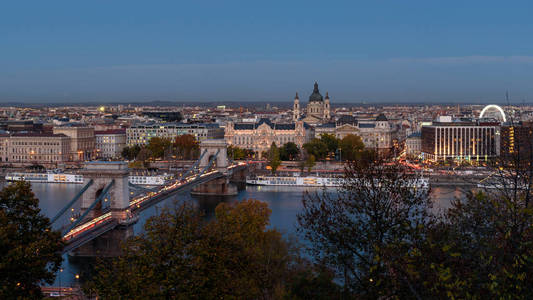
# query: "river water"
285 203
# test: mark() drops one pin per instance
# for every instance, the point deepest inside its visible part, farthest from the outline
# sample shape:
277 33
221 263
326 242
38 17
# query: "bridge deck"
95 227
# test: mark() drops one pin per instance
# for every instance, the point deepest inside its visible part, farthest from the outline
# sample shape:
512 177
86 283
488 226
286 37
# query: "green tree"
273 157
331 142
159 146
310 162
289 151
352 147
237 153
181 255
317 148
30 250
130 153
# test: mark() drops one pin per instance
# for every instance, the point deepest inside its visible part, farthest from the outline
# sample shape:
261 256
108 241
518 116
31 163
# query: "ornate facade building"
375 134
318 109
260 135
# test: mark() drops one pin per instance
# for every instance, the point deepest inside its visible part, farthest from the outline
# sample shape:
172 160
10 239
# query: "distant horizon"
162 103
381 52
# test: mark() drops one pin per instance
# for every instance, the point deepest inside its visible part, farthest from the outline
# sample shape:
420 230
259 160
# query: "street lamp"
60 289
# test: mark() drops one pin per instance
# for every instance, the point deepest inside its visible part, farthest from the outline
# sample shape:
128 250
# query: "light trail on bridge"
136 202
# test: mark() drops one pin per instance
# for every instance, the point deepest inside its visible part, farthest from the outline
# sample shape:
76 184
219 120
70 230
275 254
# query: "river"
285 203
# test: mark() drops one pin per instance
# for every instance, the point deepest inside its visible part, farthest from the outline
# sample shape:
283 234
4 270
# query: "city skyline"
235 51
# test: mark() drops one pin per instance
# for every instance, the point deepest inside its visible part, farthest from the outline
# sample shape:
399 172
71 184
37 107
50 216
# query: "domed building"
318 108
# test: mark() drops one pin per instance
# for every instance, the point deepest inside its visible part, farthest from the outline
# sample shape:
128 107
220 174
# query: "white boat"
149 179
296 181
49 177
316 181
53 177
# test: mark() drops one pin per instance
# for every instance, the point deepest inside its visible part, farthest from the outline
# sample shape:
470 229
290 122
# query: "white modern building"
110 143
461 139
140 134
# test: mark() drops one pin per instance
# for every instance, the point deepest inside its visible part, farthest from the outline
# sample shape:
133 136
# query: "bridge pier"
218 187
108 244
239 178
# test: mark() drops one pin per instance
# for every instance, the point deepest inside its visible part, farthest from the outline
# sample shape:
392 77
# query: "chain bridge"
108 212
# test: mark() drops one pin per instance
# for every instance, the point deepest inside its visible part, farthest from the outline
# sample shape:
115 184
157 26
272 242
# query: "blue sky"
373 51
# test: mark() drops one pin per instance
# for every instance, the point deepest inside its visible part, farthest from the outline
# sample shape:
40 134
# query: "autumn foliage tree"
186 146
183 256
30 251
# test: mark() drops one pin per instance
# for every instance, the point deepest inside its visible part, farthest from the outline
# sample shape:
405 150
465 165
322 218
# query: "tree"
183 256
144 154
30 250
331 142
363 230
158 146
237 153
289 151
317 148
352 147
482 247
130 153
274 160
186 146
310 162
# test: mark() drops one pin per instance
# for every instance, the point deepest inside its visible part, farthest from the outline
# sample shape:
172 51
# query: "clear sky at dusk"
381 51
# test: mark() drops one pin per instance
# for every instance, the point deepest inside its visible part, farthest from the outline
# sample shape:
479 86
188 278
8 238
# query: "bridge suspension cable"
184 175
78 195
102 195
211 160
136 186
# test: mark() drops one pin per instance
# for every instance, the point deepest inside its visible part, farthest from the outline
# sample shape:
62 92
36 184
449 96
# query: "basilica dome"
316 96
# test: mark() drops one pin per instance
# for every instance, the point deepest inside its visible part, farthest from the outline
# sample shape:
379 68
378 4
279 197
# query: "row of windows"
35 143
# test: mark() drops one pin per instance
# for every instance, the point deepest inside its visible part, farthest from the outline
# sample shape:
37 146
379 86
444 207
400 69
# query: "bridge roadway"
97 226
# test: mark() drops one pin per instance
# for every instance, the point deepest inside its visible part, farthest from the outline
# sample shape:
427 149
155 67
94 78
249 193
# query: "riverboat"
316 181
54 177
296 181
48 177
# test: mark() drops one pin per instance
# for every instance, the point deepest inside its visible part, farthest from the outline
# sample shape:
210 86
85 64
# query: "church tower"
327 110
296 108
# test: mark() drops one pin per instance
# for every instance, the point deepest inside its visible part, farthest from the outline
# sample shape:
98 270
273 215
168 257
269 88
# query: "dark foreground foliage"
383 241
30 252
234 256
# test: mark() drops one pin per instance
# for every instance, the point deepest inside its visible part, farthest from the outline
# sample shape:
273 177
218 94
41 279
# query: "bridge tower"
103 173
212 147
113 177
220 186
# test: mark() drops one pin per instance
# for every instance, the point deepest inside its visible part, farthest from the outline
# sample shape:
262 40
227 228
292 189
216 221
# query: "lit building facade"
110 143
375 133
413 145
517 140
461 140
36 148
82 141
260 136
140 134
